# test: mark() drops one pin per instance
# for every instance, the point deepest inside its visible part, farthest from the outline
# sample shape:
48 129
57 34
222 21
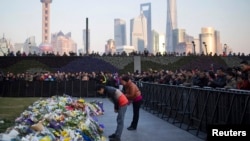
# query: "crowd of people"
230 78
143 53
58 76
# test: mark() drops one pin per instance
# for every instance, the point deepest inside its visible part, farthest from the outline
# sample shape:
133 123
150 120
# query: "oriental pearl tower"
45 45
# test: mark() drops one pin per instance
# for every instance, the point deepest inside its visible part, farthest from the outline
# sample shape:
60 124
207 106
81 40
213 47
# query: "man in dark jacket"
219 81
120 106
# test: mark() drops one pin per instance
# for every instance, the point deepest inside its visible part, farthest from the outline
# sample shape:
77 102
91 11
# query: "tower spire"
45 45
46 20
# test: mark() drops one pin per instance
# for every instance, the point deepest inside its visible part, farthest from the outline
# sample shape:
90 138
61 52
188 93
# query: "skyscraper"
219 49
158 42
178 36
45 46
84 40
146 10
171 24
209 40
120 32
138 33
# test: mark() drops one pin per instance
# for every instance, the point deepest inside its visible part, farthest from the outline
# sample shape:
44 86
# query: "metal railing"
21 88
196 107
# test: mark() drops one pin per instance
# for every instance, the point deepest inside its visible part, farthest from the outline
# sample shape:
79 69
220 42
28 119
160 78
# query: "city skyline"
21 20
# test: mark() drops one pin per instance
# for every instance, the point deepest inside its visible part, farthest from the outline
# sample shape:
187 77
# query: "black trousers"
136 113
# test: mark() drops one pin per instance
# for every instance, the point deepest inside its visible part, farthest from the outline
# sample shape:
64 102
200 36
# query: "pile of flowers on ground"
59 118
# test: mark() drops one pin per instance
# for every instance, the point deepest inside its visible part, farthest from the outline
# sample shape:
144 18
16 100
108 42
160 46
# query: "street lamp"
205 45
29 47
225 49
194 46
163 49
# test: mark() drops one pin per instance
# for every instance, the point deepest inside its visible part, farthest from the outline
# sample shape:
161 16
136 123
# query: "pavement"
150 127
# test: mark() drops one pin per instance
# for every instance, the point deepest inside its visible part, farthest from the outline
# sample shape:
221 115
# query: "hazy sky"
20 19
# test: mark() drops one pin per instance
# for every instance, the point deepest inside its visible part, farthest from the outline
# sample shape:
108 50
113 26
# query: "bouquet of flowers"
59 118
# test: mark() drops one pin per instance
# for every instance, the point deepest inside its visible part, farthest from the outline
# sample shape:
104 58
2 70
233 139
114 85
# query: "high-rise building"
171 24
162 39
110 47
138 33
179 41
4 46
84 40
127 49
45 46
194 44
158 42
178 36
145 8
120 32
63 44
155 42
219 49
184 48
18 47
30 46
209 40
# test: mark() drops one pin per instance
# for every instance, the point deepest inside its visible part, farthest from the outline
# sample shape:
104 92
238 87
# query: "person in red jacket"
133 94
120 102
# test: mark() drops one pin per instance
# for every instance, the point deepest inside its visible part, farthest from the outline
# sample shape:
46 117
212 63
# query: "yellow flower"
56 133
103 138
64 100
64 133
46 138
73 114
67 139
81 100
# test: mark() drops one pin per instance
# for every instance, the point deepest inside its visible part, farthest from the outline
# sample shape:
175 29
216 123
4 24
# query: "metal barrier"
21 88
196 107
